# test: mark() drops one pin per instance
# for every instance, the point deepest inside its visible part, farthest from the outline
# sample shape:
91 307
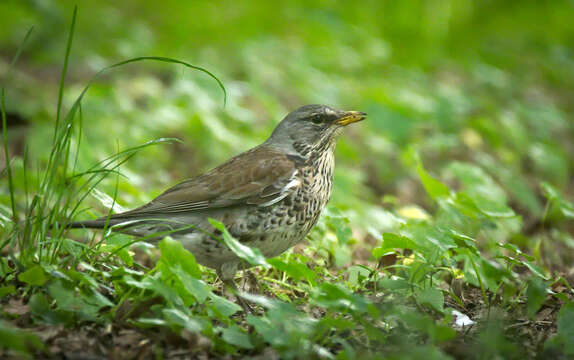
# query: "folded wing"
261 176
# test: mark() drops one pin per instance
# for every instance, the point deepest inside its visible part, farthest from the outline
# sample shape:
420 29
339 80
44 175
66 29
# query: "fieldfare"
268 197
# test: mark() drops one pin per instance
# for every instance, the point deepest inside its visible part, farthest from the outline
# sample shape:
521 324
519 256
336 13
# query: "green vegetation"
450 230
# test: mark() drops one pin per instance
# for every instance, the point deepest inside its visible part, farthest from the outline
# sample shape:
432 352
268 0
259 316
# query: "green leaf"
337 296
39 305
195 287
563 341
34 276
432 297
515 249
125 271
17 339
72 300
536 295
429 239
265 328
41 310
143 284
126 257
473 205
199 289
249 254
179 318
173 253
150 323
169 293
294 269
7 290
553 195
427 325
536 270
380 251
393 284
223 306
83 278
357 274
566 321
234 336
394 241
491 208
433 187
550 192
463 241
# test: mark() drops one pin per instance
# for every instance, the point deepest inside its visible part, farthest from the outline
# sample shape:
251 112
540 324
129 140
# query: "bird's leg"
251 281
228 279
247 308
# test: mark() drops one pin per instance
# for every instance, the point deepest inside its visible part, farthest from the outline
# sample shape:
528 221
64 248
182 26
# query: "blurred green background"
486 82
481 91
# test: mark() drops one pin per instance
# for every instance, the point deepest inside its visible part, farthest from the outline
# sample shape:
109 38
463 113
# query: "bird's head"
311 128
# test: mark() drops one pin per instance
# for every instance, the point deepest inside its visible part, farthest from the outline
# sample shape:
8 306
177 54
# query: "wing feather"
261 176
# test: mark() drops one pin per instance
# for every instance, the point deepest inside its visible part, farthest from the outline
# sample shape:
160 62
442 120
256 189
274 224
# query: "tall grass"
54 194
5 125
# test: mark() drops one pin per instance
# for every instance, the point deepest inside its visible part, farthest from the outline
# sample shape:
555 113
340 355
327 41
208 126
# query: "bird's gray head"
311 128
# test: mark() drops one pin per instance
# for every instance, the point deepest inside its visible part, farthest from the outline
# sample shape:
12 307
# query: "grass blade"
5 125
65 70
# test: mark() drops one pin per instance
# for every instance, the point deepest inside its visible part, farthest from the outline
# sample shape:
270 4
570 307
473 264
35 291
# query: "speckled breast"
273 229
290 220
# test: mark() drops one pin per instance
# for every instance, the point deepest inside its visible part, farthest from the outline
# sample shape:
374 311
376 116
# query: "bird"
268 197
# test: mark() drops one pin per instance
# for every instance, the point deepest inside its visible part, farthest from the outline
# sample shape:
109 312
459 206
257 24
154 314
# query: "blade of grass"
50 185
111 209
60 150
75 106
65 70
5 125
479 278
92 182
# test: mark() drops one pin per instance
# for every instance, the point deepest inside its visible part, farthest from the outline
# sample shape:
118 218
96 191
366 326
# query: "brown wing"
260 176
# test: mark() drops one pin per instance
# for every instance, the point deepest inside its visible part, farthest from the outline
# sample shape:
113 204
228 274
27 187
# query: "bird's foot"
247 307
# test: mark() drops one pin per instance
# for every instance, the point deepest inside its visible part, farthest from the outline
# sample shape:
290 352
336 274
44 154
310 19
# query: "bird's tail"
137 227
90 224
117 225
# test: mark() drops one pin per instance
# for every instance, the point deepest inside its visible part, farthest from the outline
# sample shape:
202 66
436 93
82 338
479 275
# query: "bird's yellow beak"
350 117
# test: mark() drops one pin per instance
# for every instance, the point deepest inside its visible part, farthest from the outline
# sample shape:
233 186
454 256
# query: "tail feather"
137 227
90 224
105 221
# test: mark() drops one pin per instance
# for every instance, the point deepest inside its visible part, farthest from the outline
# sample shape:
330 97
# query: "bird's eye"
316 119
